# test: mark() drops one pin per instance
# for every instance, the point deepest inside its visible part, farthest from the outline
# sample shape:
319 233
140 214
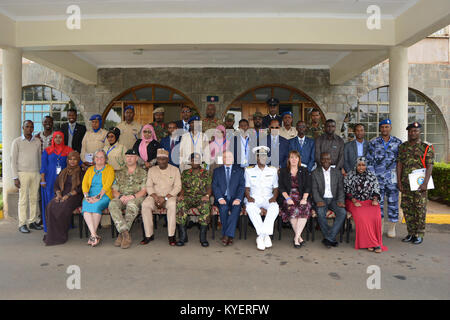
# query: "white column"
11 108
398 91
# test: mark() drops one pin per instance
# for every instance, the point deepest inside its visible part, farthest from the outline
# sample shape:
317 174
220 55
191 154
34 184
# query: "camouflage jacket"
411 156
195 184
127 184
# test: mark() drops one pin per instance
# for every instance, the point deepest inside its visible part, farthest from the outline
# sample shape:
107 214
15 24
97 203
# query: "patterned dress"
297 210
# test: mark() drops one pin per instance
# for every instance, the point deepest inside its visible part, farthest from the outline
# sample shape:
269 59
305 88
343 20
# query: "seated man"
228 185
261 191
129 192
163 186
195 193
328 193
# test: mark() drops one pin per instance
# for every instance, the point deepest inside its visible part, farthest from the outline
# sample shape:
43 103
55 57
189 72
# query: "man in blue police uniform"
381 157
273 112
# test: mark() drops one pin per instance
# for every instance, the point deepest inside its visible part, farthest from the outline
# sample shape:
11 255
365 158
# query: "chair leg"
245 226
113 228
155 222
307 228
86 229
80 225
313 229
341 233
214 227
349 227
240 226
280 227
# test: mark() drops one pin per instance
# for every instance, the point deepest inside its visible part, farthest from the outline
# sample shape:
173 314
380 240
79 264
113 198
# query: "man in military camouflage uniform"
414 154
315 127
159 125
229 122
381 156
195 193
210 122
129 191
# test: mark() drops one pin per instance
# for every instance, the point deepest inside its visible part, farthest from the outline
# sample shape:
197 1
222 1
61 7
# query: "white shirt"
327 176
245 151
71 128
261 182
301 140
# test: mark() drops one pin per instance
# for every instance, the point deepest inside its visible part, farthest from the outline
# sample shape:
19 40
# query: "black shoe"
146 240
417 240
334 243
297 246
24 229
408 238
172 241
35 226
182 235
326 243
203 231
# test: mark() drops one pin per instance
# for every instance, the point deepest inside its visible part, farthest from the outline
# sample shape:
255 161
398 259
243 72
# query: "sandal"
97 241
378 250
371 249
91 240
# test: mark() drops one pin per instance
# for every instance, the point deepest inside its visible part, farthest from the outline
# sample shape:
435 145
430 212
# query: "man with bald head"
210 122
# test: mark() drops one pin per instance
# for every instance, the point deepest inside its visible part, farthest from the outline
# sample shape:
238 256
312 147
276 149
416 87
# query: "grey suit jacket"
351 154
318 185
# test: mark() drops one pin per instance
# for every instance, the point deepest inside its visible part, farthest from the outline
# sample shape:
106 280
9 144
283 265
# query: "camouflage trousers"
200 208
389 197
123 223
414 205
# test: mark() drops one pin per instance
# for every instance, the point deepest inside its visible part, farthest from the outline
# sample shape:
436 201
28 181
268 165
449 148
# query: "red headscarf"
59 149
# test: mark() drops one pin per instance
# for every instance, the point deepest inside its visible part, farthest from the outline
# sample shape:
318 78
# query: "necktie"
228 179
172 144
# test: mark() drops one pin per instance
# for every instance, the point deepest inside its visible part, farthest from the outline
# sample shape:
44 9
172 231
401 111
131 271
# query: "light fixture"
138 52
282 51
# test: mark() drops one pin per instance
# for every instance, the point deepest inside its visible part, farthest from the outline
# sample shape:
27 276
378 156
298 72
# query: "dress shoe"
334 243
408 238
225 240
35 226
146 240
172 241
297 246
417 240
303 243
230 241
326 243
260 243
24 229
267 242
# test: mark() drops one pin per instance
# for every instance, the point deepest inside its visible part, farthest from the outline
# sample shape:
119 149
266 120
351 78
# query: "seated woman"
362 190
195 193
114 150
294 185
97 192
147 146
68 198
53 161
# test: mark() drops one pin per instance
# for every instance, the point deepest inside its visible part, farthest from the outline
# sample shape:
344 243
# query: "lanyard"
386 145
192 138
246 146
110 149
224 141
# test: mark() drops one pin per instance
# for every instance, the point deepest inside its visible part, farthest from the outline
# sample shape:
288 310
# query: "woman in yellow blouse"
97 183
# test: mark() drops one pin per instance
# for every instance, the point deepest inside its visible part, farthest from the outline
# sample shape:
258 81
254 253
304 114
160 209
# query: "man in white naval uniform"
261 191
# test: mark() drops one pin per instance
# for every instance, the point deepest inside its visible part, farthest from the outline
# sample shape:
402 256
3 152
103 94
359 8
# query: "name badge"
219 160
89 157
58 170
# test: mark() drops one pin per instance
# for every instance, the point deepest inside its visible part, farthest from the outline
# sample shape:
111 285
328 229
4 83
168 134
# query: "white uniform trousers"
254 212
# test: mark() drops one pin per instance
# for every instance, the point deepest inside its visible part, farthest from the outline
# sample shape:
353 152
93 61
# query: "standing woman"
97 192
53 161
68 197
362 190
114 150
147 146
295 185
93 140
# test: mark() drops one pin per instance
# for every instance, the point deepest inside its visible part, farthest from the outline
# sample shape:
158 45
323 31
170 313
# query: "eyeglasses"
186 111
274 127
146 131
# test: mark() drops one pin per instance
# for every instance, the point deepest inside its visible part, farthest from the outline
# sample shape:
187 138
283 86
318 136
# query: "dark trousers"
229 216
330 233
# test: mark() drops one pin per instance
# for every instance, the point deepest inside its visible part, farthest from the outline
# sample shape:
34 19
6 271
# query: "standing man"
194 141
304 145
210 122
129 129
273 104
242 145
331 143
355 149
315 128
159 125
169 142
25 164
328 193
129 191
229 121
93 140
185 116
46 136
258 128
73 131
261 191
279 146
382 156
163 186
228 186
414 154
287 131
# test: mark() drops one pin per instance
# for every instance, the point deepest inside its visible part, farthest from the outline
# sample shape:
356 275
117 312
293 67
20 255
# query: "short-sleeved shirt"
261 182
288 134
127 184
411 155
129 133
195 184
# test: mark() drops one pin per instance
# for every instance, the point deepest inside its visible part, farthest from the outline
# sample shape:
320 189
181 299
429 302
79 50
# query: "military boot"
182 235
203 231
118 241
126 242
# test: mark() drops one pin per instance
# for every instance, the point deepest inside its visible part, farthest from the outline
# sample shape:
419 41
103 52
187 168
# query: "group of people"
192 166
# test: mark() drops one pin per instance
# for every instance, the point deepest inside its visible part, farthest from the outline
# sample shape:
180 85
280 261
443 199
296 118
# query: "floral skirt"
297 210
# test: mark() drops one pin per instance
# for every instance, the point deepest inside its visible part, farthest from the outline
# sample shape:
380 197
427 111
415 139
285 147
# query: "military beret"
194 118
128 107
385 121
258 114
131 152
159 109
286 113
413 125
229 116
273 101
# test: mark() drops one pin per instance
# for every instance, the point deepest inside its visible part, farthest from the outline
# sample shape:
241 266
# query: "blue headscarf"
99 118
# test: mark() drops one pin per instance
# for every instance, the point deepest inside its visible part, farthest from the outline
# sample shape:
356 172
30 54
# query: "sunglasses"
274 127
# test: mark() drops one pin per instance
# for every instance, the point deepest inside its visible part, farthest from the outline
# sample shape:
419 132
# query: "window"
374 107
41 101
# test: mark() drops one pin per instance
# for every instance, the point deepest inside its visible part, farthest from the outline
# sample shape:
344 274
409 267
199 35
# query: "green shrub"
441 178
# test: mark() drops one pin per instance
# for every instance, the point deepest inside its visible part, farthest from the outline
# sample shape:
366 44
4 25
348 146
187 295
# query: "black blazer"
179 124
285 185
237 183
318 184
78 135
151 149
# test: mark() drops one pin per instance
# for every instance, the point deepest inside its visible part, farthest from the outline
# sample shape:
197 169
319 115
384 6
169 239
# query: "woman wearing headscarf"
68 197
53 161
147 146
362 190
93 140
114 150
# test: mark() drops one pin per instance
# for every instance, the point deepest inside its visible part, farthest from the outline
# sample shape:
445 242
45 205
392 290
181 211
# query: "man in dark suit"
273 112
186 114
73 131
304 145
168 143
354 149
328 193
228 186
278 145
